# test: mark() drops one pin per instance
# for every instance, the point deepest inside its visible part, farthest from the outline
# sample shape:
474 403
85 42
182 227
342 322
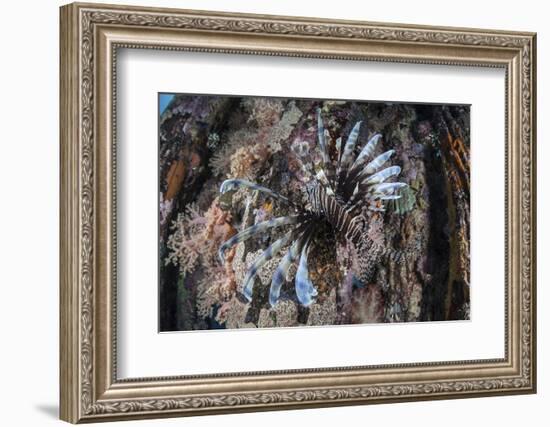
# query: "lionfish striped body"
338 193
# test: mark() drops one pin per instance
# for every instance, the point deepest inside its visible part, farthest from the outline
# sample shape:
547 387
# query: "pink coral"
196 238
185 244
199 235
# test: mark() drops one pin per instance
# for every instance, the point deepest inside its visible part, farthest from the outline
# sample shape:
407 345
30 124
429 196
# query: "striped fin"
377 191
358 172
339 149
232 184
253 230
322 138
384 174
269 253
279 276
391 197
303 285
347 155
387 188
377 162
368 150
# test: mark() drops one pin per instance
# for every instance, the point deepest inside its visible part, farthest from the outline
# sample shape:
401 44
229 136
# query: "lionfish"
338 191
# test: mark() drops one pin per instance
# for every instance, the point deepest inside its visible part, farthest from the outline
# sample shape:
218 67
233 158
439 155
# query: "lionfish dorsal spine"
378 162
367 151
387 189
322 139
349 149
338 144
384 174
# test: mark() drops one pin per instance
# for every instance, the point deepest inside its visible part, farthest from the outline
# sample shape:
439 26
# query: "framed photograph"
267 212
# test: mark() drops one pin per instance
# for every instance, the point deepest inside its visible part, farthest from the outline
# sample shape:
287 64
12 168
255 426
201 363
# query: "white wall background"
29 170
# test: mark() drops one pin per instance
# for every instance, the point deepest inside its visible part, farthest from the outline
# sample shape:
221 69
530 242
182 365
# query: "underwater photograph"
287 212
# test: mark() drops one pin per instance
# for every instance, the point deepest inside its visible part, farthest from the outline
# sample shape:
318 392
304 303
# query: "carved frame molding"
90 37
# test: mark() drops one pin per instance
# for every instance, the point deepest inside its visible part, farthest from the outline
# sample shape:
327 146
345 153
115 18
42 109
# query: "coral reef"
414 259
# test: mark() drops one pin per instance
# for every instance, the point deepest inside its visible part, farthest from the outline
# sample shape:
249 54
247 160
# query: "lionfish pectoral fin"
234 183
254 230
268 254
279 276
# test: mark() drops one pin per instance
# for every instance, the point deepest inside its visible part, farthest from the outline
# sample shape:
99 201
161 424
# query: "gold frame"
90 36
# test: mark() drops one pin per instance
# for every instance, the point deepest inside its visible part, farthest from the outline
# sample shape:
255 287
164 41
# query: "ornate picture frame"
91 34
